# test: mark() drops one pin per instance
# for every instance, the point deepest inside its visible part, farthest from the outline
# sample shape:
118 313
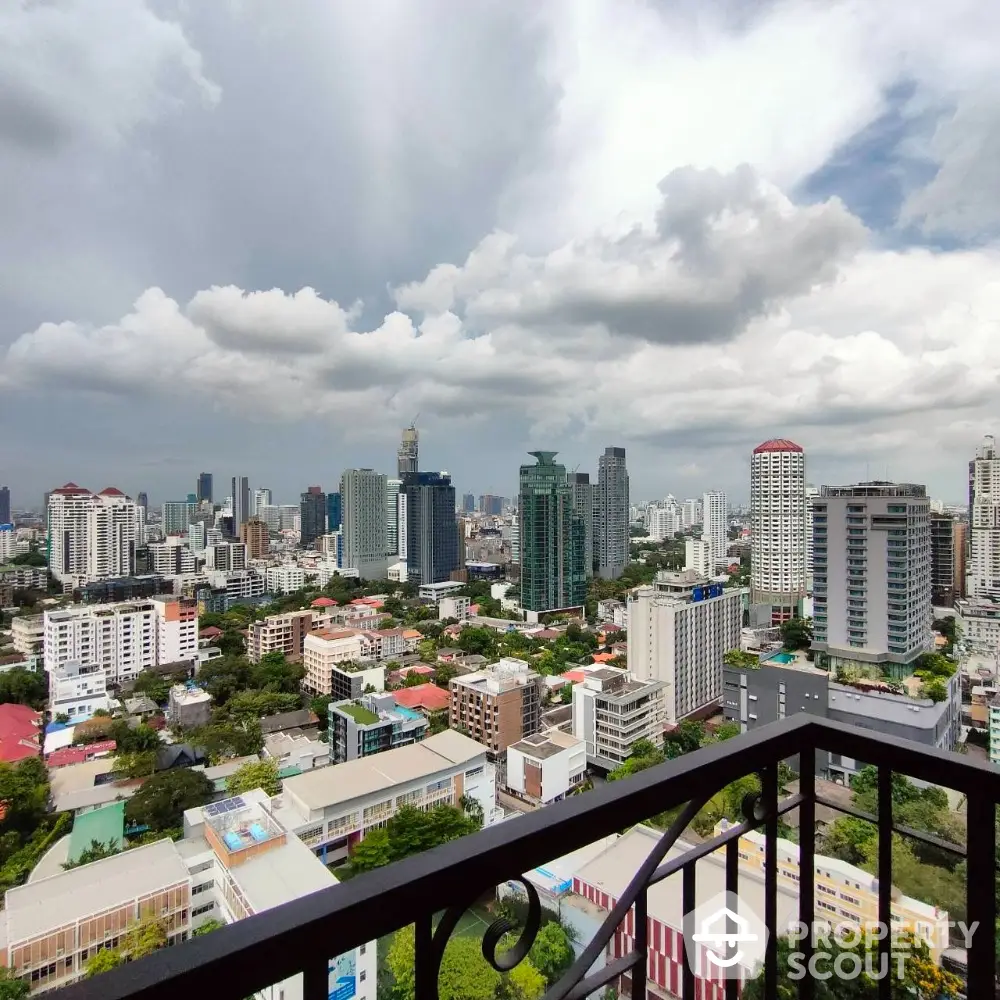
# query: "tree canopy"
411 831
255 774
21 686
161 800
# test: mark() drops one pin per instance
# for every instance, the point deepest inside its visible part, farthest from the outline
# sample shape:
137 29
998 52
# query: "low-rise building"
546 767
25 577
610 610
235 860
285 579
454 607
190 706
978 620
330 651
20 733
427 698
285 633
373 723
612 712
237 585
499 705
28 634
433 592
296 750
77 691
332 808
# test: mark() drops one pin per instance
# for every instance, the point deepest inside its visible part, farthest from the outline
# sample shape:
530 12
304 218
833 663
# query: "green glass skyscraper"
552 537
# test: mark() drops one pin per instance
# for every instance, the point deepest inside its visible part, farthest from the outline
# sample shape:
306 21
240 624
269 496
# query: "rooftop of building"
887 706
189 694
429 697
288 720
106 825
61 899
777 444
361 715
20 728
330 786
547 744
875 488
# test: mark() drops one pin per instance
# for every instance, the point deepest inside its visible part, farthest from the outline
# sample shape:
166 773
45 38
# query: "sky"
259 239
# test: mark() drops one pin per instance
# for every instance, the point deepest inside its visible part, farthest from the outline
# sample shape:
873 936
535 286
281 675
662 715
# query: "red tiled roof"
111 491
427 696
575 676
777 444
210 632
19 728
71 488
611 627
323 602
416 668
77 755
546 633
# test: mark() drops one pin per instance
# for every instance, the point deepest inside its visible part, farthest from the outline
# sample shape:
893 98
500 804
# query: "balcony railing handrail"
300 936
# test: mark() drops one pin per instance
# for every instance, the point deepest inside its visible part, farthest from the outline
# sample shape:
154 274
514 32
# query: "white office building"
680 628
227 556
872 575
664 520
715 524
692 513
545 767
77 691
239 584
363 527
121 639
172 557
92 536
698 556
285 579
261 498
983 571
778 527
197 536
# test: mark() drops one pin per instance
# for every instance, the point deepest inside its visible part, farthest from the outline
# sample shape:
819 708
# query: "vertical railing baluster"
641 938
733 887
885 880
424 969
769 793
807 862
688 904
316 980
982 904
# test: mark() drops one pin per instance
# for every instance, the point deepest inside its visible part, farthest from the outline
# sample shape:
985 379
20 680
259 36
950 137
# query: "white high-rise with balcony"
983 571
715 524
778 527
364 522
92 536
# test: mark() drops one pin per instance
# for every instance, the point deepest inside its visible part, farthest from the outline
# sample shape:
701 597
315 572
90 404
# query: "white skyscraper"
691 513
715 524
261 498
613 514
778 527
983 571
364 528
92 536
811 493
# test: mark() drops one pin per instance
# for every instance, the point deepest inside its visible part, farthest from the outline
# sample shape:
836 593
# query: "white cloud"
73 67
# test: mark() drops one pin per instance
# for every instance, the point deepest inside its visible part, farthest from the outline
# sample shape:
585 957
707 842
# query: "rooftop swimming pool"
781 658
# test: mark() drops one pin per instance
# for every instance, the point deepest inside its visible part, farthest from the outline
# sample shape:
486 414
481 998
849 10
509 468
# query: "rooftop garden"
738 658
361 715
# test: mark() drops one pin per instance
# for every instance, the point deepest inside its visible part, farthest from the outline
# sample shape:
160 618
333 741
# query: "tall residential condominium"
142 499
241 501
92 535
778 527
812 492
491 504
393 524
312 515
872 577
948 536
408 454
584 498
715 525
679 630
204 490
552 538
984 521
432 550
256 536
364 529
175 517
612 514
5 517
259 499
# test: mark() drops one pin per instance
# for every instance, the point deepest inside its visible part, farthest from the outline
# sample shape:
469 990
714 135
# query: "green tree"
97 850
136 765
552 953
256 704
20 686
797 633
255 774
221 739
274 673
685 738
103 961
480 641
32 558
738 658
161 800
12 986
320 707
224 676
232 643
141 739
24 789
153 686
411 831
644 754
207 927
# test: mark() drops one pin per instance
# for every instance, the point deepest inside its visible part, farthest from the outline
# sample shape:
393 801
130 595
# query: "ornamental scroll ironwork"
576 983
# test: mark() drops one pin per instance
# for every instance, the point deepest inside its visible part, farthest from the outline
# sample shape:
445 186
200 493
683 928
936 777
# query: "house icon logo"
724 937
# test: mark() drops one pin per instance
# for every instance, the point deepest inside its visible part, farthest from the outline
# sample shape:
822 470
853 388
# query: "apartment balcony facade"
433 890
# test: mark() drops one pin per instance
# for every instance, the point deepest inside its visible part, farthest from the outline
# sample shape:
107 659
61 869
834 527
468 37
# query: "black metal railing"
433 890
